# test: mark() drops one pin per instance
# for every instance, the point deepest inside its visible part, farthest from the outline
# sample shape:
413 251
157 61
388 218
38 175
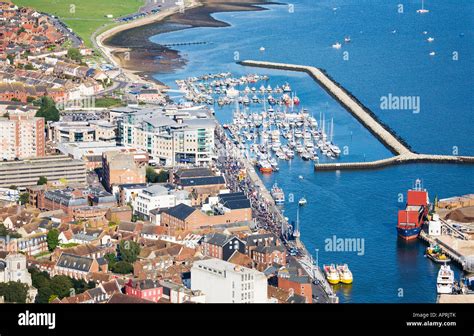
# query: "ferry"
332 275
345 274
278 195
412 218
435 254
445 280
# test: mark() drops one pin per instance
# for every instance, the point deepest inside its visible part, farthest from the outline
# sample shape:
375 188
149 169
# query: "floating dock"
401 150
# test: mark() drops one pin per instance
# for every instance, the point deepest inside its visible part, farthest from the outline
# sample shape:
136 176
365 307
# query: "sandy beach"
128 46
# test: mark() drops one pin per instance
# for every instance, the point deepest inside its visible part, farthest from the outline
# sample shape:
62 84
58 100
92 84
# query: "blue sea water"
388 54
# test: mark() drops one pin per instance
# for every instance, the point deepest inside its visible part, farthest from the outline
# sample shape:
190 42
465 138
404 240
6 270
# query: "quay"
401 150
263 204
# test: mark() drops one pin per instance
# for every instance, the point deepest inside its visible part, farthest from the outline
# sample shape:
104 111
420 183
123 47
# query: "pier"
401 150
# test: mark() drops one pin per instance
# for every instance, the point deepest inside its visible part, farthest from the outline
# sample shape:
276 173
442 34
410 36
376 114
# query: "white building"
172 137
158 196
224 282
434 226
14 268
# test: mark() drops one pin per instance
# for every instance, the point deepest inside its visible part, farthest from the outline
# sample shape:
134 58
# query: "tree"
42 180
52 298
5 232
151 174
13 187
61 285
13 291
128 251
44 293
52 239
163 176
122 267
48 109
24 198
74 54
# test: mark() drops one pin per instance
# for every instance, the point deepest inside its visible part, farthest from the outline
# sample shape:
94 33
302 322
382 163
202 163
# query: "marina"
402 151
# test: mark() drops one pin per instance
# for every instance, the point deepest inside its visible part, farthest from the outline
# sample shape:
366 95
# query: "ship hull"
409 234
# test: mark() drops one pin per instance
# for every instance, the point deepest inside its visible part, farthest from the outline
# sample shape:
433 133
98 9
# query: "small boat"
445 280
265 167
347 39
332 275
262 49
422 10
435 254
345 274
337 45
302 201
286 88
432 53
278 194
301 177
430 39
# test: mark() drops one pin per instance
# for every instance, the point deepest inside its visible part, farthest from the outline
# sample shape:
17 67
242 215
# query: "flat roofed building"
26 173
169 137
224 282
21 136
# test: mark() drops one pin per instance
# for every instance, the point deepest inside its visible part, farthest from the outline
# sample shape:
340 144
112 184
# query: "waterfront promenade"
267 214
402 151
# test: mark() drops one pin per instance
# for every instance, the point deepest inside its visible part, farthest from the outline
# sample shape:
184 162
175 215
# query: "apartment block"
123 168
170 137
224 282
21 136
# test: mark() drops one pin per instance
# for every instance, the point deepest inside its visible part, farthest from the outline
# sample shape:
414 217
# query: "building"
221 246
224 282
13 267
67 199
177 293
26 173
144 289
82 131
76 267
122 168
21 137
221 211
158 196
91 152
170 137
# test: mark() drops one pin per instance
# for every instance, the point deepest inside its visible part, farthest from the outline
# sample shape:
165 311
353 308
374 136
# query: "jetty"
401 150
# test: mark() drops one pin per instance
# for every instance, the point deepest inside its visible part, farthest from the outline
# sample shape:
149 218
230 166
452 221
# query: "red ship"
416 211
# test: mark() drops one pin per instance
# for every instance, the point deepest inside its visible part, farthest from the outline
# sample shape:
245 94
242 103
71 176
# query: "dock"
400 149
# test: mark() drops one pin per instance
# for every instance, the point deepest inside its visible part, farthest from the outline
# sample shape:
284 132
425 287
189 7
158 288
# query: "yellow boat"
345 274
332 275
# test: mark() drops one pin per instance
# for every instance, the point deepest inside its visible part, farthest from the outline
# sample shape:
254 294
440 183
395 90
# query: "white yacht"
422 10
337 45
445 281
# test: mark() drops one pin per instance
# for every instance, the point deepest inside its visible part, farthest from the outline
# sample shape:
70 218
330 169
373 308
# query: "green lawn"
84 16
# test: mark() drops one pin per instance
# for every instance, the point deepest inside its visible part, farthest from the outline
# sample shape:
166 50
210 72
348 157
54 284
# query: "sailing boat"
422 10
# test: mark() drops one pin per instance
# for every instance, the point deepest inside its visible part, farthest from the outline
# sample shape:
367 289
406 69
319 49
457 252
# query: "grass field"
84 16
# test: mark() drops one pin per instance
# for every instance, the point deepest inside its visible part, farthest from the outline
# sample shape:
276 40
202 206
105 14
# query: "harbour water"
388 55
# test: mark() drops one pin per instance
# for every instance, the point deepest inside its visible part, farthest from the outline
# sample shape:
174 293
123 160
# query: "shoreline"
108 50
146 58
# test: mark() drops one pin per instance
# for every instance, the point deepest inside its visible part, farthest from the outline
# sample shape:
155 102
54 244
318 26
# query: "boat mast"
296 232
332 129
